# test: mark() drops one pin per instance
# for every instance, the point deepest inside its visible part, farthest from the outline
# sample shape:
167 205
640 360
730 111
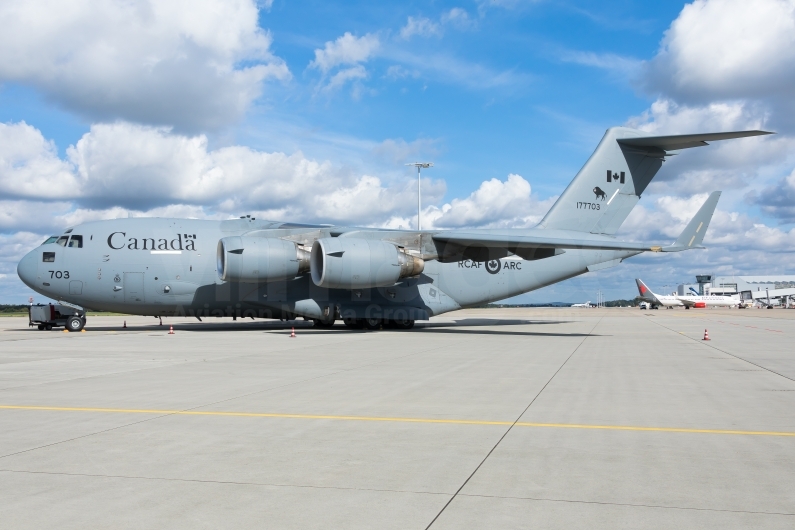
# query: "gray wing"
525 244
511 242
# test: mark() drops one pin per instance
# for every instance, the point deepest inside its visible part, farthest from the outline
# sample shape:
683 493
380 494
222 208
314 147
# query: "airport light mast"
419 165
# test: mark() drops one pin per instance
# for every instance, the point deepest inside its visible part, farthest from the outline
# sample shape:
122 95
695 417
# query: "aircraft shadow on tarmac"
464 326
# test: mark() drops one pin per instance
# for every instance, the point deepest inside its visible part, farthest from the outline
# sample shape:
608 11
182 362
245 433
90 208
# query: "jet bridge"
767 296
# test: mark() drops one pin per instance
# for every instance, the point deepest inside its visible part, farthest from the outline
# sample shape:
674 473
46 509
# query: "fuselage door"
134 287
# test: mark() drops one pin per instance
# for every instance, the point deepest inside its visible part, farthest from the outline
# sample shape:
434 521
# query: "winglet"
694 232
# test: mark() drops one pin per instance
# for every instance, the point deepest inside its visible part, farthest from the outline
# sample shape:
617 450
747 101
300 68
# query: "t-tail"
611 182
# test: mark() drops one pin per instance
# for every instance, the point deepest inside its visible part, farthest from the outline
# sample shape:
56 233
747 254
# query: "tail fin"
644 291
611 182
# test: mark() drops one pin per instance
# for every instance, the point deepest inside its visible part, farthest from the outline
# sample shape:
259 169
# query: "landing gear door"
134 287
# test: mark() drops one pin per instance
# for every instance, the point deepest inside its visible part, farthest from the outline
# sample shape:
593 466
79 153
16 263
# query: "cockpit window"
62 240
50 239
75 242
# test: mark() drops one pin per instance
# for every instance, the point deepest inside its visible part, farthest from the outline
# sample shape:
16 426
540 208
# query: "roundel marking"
493 266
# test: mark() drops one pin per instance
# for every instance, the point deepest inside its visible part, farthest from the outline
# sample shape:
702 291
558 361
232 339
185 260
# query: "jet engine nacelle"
349 263
260 259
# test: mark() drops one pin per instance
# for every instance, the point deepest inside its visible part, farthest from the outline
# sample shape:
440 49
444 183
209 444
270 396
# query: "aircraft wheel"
323 324
403 324
41 327
687 307
352 323
75 323
371 323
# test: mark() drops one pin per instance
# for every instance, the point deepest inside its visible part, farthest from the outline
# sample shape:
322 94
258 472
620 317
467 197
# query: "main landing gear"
373 324
323 324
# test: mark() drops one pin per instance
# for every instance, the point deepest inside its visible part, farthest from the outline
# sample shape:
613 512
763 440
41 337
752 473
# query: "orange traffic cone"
706 335
125 325
171 330
292 334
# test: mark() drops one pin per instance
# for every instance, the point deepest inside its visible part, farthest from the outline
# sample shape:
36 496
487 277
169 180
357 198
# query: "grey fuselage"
167 267
150 266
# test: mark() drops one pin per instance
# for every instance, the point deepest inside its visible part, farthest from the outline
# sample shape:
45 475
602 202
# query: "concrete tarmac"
494 418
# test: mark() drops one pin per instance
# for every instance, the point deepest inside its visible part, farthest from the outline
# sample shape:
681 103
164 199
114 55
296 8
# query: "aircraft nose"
27 269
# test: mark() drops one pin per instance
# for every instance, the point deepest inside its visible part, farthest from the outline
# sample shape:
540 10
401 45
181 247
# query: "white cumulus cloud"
29 165
121 168
174 62
346 50
728 49
495 204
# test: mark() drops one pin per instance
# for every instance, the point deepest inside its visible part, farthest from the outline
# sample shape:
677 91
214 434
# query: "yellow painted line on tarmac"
396 420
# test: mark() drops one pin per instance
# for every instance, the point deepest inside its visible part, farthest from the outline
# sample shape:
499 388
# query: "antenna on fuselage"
419 165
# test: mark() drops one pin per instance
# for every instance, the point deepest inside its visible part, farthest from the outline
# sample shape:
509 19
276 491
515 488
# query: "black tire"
371 323
41 327
323 324
352 323
75 323
48 327
403 324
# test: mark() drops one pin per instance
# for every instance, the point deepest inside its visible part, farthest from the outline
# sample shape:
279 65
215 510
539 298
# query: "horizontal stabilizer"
685 141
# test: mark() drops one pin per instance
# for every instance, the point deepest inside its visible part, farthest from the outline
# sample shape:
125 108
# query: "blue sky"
309 111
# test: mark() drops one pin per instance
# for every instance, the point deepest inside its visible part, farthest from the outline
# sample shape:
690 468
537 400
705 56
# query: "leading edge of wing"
468 239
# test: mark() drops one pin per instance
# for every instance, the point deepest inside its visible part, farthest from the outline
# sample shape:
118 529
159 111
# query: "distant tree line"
612 303
13 308
623 303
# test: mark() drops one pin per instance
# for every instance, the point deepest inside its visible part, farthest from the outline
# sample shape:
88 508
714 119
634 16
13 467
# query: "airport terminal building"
728 285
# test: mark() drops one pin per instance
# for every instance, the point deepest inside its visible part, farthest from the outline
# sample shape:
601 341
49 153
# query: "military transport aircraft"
367 277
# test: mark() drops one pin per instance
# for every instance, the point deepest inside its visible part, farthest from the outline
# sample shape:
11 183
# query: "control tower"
702 280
